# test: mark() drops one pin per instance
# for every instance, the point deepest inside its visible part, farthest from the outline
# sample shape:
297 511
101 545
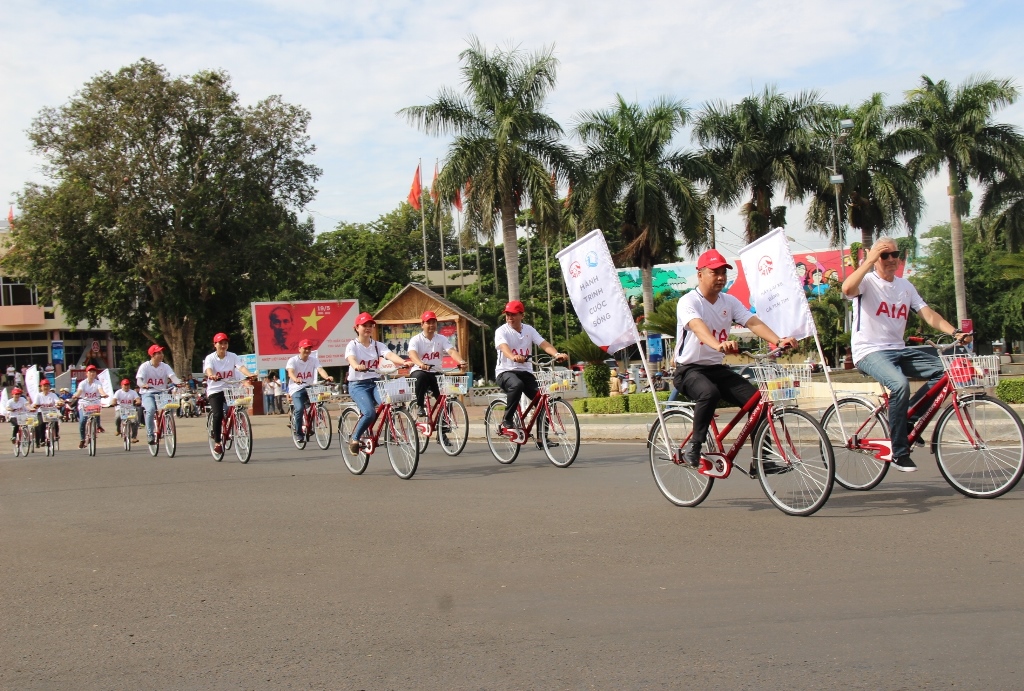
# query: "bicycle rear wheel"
242 436
560 421
170 436
355 462
856 469
423 438
993 464
502 448
299 435
322 428
225 434
453 427
794 461
403 451
681 484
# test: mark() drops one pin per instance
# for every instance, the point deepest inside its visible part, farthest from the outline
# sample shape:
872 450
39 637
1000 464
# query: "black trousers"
515 385
217 409
705 385
425 381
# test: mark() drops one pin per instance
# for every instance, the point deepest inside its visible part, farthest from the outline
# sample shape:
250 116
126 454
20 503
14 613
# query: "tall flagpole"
423 224
462 274
440 231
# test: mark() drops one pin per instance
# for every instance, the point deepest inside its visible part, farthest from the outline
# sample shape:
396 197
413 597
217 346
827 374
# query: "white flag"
32 383
776 295
104 379
3 400
597 297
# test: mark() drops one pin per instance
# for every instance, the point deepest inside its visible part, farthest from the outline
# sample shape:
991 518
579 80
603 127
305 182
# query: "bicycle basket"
238 396
972 371
165 401
50 414
320 393
398 390
28 419
127 412
91 410
779 382
553 382
453 385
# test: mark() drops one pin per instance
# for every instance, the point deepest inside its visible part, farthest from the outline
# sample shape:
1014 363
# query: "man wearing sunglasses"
882 302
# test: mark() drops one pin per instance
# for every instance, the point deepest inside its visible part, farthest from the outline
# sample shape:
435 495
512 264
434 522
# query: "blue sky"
354 64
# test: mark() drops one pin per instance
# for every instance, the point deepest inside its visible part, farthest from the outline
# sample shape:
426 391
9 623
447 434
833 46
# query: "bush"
579 405
596 376
642 402
1011 390
606 406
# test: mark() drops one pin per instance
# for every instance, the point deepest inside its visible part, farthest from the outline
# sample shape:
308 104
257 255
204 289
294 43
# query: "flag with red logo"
416 191
777 296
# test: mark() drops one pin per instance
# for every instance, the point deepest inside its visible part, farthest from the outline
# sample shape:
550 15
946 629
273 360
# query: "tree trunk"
867 238
647 284
181 341
956 237
511 249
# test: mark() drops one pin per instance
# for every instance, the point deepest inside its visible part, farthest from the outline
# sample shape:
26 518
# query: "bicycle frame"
719 465
539 402
370 443
433 414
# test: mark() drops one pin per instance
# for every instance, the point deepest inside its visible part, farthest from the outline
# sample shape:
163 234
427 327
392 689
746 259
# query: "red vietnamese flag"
416 191
457 202
10 217
433 185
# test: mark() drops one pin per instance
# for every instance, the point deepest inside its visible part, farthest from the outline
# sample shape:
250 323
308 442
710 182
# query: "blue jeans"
891 369
149 403
300 400
365 395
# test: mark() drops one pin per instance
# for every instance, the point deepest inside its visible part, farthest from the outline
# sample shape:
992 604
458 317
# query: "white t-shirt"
89 393
126 398
880 314
50 400
719 318
17 406
431 351
367 355
520 342
150 377
225 367
304 371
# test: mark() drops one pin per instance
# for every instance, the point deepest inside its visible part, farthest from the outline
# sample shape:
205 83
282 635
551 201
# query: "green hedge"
579 405
615 404
642 402
1011 390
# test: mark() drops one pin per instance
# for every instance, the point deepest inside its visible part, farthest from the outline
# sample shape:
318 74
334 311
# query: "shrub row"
1011 390
633 403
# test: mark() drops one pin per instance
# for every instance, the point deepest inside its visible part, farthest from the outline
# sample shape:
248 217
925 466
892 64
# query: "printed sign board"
279 327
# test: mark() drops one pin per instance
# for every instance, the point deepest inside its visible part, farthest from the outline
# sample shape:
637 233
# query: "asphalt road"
130 572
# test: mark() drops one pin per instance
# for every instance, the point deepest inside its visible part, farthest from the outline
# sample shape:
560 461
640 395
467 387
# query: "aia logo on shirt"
431 356
151 382
368 364
722 336
892 310
304 376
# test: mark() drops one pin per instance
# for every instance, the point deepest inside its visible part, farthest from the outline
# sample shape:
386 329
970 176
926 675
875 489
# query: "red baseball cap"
305 343
44 382
16 391
712 259
514 307
92 368
364 318
154 349
126 381
427 316
220 337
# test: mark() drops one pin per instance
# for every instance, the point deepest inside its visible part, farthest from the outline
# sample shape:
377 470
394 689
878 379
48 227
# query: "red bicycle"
316 421
163 425
978 441
448 416
393 421
235 428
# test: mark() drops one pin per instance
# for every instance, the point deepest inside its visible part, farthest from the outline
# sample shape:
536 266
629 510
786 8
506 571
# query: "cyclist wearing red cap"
302 369
126 396
89 390
220 366
426 350
363 353
514 341
45 399
17 403
154 376
704 317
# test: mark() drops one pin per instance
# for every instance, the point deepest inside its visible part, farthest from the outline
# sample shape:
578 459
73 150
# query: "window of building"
14 292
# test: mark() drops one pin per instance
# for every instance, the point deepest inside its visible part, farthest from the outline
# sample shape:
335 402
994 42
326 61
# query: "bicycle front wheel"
403 451
154 441
502 448
126 436
561 434
242 436
322 428
51 439
355 462
17 442
170 436
92 429
981 452
856 468
794 461
678 481
453 427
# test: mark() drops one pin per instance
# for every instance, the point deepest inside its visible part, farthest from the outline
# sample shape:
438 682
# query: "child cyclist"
17 403
89 389
46 399
128 397
514 341
426 350
363 353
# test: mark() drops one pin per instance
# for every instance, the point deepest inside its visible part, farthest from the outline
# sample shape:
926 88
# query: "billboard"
397 336
277 328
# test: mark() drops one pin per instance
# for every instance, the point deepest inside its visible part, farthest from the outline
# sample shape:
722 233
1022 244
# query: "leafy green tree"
628 162
171 204
1004 203
505 146
878 192
764 144
962 138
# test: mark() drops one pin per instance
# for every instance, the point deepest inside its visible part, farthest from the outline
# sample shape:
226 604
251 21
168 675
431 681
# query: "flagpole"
440 231
423 225
654 394
462 273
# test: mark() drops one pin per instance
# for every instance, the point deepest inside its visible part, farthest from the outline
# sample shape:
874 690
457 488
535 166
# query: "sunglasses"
890 255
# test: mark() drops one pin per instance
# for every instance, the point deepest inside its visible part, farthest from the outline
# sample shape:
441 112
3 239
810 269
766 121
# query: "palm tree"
878 192
630 169
503 140
763 144
1004 203
962 137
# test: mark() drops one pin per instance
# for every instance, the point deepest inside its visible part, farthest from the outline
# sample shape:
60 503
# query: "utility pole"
712 231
